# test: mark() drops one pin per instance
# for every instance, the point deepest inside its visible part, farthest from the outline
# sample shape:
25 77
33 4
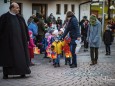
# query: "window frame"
58 8
65 8
73 8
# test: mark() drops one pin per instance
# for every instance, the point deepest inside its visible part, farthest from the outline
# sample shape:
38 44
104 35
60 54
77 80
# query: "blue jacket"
45 43
94 35
73 30
34 28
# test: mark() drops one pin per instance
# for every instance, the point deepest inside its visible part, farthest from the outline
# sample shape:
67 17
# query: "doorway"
40 9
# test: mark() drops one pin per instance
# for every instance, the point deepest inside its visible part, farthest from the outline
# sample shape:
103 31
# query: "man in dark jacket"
14 57
74 33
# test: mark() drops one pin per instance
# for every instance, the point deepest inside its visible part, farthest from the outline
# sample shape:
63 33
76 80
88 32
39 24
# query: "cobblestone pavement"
44 74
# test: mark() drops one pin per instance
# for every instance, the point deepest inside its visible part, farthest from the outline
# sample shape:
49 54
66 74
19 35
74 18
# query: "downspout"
80 7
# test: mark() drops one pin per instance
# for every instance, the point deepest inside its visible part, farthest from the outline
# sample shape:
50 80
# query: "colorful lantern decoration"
53 55
36 50
68 54
49 54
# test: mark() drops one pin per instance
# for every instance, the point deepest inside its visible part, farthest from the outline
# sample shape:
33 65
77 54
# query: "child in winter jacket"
107 38
31 46
66 49
58 49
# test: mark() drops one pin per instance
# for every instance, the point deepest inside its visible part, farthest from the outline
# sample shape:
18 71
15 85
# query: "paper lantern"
53 55
36 50
68 54
49 54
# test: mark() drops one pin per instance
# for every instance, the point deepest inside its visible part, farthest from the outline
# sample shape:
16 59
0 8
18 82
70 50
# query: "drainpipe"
80 7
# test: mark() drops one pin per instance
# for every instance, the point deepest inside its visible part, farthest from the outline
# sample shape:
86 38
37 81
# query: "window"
73 8
58 8
65 8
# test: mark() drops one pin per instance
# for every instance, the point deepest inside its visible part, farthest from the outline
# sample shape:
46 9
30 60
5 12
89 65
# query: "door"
40 9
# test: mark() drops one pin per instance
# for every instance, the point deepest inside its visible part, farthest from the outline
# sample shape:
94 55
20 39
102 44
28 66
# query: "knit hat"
93 19
47 34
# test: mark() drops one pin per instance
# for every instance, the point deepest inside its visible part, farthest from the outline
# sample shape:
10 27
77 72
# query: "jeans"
57 60
74 56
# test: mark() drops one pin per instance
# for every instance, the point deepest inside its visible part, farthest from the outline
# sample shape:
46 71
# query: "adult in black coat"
14 57
74 33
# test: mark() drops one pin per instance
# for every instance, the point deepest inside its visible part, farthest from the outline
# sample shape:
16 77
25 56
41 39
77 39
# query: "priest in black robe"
14 56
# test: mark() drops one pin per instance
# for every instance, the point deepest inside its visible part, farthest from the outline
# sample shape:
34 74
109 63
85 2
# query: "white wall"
4 7
52 8
27 8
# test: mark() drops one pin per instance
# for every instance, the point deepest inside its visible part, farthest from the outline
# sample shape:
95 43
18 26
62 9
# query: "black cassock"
14 57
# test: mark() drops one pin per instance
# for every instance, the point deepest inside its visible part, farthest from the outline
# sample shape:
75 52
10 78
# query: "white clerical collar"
11 13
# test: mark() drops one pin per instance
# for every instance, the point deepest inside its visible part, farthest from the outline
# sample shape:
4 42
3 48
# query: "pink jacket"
31 43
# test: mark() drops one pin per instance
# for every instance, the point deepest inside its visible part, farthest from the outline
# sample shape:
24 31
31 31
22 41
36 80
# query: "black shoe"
70 64
58 65
92 64
5 77
106 54
22 76
73 66
95 62
55 65
65 63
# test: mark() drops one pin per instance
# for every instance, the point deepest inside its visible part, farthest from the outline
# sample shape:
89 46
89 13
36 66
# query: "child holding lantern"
53 54
31 46
66 49
58 50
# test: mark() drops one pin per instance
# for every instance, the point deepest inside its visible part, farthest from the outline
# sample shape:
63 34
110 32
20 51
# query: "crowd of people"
54 38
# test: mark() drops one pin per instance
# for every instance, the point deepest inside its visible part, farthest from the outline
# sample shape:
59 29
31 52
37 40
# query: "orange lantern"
36 50
68 54
53 55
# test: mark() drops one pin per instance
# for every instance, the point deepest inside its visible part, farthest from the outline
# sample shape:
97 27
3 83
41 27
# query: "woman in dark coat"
14 57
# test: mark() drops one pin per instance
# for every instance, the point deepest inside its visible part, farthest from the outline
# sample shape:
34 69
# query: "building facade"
45 7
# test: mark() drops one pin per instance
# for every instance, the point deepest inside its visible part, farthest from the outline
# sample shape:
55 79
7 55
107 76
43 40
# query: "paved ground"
44 74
